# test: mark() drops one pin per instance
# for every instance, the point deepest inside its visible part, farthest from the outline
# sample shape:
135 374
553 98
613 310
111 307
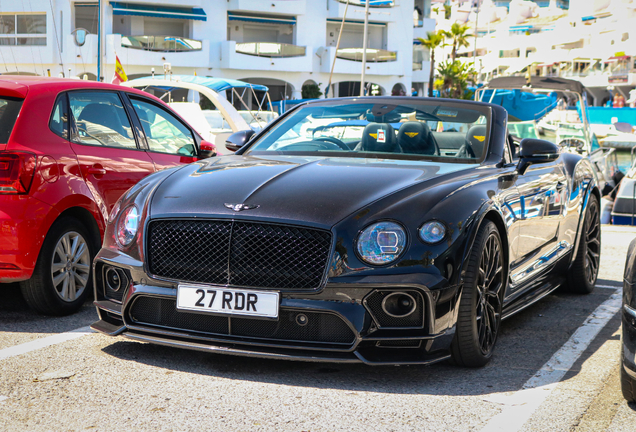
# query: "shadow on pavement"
16 316
528 340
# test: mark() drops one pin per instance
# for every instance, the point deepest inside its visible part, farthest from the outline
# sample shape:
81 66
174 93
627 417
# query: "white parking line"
44 342
614 287
519 406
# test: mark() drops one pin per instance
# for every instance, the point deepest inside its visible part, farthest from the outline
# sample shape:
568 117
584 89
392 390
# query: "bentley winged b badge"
241 207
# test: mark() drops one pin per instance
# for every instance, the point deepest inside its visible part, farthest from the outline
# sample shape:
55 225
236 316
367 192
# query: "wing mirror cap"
238 139
534 151
206 149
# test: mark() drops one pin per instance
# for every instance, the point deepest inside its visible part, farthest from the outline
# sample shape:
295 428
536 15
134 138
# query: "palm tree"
433 40
459 37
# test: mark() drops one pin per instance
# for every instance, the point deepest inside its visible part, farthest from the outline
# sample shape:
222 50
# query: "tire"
582 274
59 285
479 314
628 385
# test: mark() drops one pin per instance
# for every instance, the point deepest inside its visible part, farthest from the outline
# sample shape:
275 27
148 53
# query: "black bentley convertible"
376 230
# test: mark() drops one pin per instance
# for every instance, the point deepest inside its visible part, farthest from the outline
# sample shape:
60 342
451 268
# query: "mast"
99 40
364 46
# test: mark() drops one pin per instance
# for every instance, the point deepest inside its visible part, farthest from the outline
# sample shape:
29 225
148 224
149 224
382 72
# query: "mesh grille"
320 327
189 250
260 255
374 304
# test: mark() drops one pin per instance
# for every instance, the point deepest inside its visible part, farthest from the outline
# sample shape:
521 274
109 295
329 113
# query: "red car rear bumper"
24 222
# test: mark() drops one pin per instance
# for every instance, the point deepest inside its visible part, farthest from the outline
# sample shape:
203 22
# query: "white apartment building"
283 44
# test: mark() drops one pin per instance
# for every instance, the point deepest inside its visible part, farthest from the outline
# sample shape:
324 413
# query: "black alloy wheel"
584 270
479 316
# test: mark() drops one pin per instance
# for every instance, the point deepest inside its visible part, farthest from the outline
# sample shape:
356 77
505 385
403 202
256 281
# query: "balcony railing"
161 43
270 49
372 3
373 55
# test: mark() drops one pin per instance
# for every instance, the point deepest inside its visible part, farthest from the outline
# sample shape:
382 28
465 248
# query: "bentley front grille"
316 327
238 253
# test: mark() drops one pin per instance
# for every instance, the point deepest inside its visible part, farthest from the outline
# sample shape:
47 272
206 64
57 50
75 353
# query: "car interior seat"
104 115
475 143
379 137
416 137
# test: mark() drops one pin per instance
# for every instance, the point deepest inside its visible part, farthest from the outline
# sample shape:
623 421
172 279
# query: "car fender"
589 188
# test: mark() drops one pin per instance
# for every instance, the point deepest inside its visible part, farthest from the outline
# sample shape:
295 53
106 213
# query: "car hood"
313 190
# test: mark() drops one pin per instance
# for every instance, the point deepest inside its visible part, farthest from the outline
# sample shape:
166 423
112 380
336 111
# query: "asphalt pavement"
556 368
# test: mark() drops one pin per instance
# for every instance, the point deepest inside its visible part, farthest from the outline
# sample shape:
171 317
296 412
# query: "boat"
557 112
214 125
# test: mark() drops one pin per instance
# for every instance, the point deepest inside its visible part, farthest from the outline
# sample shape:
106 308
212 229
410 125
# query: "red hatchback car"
68 150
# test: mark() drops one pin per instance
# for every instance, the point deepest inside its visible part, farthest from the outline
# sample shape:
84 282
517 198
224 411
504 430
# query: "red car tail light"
17 170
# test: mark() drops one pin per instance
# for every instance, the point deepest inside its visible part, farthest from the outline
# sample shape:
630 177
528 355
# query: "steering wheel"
335 141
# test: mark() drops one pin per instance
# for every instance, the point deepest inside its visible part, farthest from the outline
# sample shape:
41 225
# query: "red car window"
164 132
100 119
9 110
59 117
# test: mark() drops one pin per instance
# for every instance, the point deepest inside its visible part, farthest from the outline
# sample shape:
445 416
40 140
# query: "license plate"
203 298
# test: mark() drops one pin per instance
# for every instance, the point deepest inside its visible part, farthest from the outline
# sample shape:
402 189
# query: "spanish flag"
119 76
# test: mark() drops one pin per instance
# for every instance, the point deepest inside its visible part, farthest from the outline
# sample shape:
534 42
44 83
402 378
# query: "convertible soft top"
550 83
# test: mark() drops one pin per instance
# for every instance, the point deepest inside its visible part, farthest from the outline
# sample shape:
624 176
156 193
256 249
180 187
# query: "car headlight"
115 211
381 243
127 225
433 232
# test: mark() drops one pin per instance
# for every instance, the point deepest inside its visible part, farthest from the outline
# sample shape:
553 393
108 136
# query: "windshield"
456 132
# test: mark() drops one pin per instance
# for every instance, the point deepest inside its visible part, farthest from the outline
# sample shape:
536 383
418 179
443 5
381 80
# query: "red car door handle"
96 171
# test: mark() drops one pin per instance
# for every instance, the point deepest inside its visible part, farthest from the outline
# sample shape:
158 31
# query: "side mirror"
206 149
238 139
534 151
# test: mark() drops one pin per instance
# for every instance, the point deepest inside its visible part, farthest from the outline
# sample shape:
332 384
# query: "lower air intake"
317 327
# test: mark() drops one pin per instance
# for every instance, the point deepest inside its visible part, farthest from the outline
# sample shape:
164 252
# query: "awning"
266 19
120 8
216 84
355 22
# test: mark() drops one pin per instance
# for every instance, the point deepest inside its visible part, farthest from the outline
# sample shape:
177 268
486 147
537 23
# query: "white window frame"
16 36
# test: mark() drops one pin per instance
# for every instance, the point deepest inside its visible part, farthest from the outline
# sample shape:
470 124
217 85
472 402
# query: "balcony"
287 7
383 14
420 30
265 56
147 51
373 55
379 62
161 43
269 49
372 3
422 73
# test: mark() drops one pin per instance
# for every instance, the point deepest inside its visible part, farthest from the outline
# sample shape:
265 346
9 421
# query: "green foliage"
311 91
433 40
455 77
447 11
458 36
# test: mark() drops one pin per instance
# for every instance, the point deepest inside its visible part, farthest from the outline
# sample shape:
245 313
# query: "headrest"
102 114
379 137
416 137
476 139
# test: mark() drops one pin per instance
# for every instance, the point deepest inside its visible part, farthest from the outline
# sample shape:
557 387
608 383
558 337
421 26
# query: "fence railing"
373 55
270 49
161 43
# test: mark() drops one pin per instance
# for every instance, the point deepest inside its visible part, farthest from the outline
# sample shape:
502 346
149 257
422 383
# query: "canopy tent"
548 83
121 8
216 84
